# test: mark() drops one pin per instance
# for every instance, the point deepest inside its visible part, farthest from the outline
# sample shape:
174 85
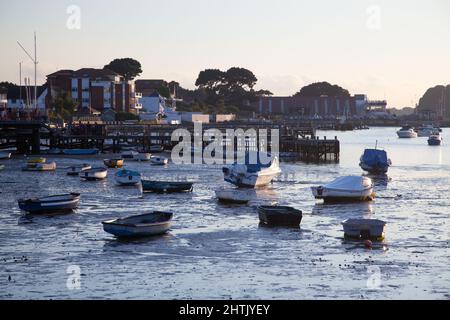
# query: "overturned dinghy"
66 202
235 195
144 225
344 189
128 177
94 174
366 229
75 170
281 216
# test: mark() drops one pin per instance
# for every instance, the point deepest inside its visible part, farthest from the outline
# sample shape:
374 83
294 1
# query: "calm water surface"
216 251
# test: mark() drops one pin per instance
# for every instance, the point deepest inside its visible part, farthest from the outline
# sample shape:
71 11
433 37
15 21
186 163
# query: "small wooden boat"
142 157
113 163
166 186
151 224
235 195
128 177
80 152
36 160
94 174
66 202
5 155
129 154
159 161
280 216
156 149
40 167
75 170
367 229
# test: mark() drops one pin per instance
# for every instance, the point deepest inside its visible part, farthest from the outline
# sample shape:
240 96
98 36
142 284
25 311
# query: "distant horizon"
377 48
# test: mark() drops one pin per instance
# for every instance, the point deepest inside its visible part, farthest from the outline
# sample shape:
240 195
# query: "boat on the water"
426 130
5 155
156 149
36 160
142 157
130 154
40 167
80 152
127 177
253 171
280 216
375 161
66 202
150 224
75 170
113 163
435 139
366 229
2 166
235 195
166 186
343 189
406 132
94 174
159 161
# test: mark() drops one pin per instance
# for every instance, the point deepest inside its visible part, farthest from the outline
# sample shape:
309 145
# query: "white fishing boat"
349 188
142 157
94 174
160 161
406 132
127 177
130 154
235 195
257 170
150 224
364 229
435 139
75 170
40 167
5 155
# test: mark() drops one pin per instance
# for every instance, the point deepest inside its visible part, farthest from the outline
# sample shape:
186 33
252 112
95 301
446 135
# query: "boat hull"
113 163
127 178
364 229
280 216
374 169
50 204
145 225
40 167
93 174
335 195
434 142
80 152
75 171
166 187
233 196
409 134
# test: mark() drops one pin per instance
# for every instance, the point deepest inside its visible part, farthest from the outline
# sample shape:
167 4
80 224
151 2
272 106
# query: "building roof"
63 72
94 73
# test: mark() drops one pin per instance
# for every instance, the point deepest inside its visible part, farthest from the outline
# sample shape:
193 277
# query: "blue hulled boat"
150 224
65 202
375 161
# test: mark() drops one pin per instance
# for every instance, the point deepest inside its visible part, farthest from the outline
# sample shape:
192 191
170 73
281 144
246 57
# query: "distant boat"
94 174
435 139
364 229
426 131
129 154
5 155
156 149
80 152
36 160
375 161
2 166
350 188
127 177
280 216
234 195
113 163
75 170
151 224
407 132
142 157
166 186
160 161
252 175
57 203
40 167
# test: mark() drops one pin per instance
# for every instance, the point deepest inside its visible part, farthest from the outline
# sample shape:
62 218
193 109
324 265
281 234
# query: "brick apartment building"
98 89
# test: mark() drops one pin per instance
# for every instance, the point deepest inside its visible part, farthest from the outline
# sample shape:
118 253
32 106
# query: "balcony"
137 106
136 95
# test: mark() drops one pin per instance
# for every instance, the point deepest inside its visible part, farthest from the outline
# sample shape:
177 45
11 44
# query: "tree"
126 67
322 88
211 80
63 107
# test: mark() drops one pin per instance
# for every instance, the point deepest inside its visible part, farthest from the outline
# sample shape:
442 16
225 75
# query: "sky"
391 50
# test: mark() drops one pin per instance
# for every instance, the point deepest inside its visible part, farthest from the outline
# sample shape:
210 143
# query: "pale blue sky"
286 43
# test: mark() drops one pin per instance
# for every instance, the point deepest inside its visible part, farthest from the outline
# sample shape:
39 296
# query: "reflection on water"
216 251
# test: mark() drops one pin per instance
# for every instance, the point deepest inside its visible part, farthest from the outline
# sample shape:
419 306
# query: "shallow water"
216 251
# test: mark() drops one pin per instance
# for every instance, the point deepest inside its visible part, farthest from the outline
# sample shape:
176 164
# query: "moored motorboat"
36 160
435 139
40 167
56 203
279 216
80 152
142 157
254 171
5 155
150 224
375 161
349 188
127 177
94 174
166 186
425 131
130 154
407 132
75 170
366 229
235 195
113 163
159 161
